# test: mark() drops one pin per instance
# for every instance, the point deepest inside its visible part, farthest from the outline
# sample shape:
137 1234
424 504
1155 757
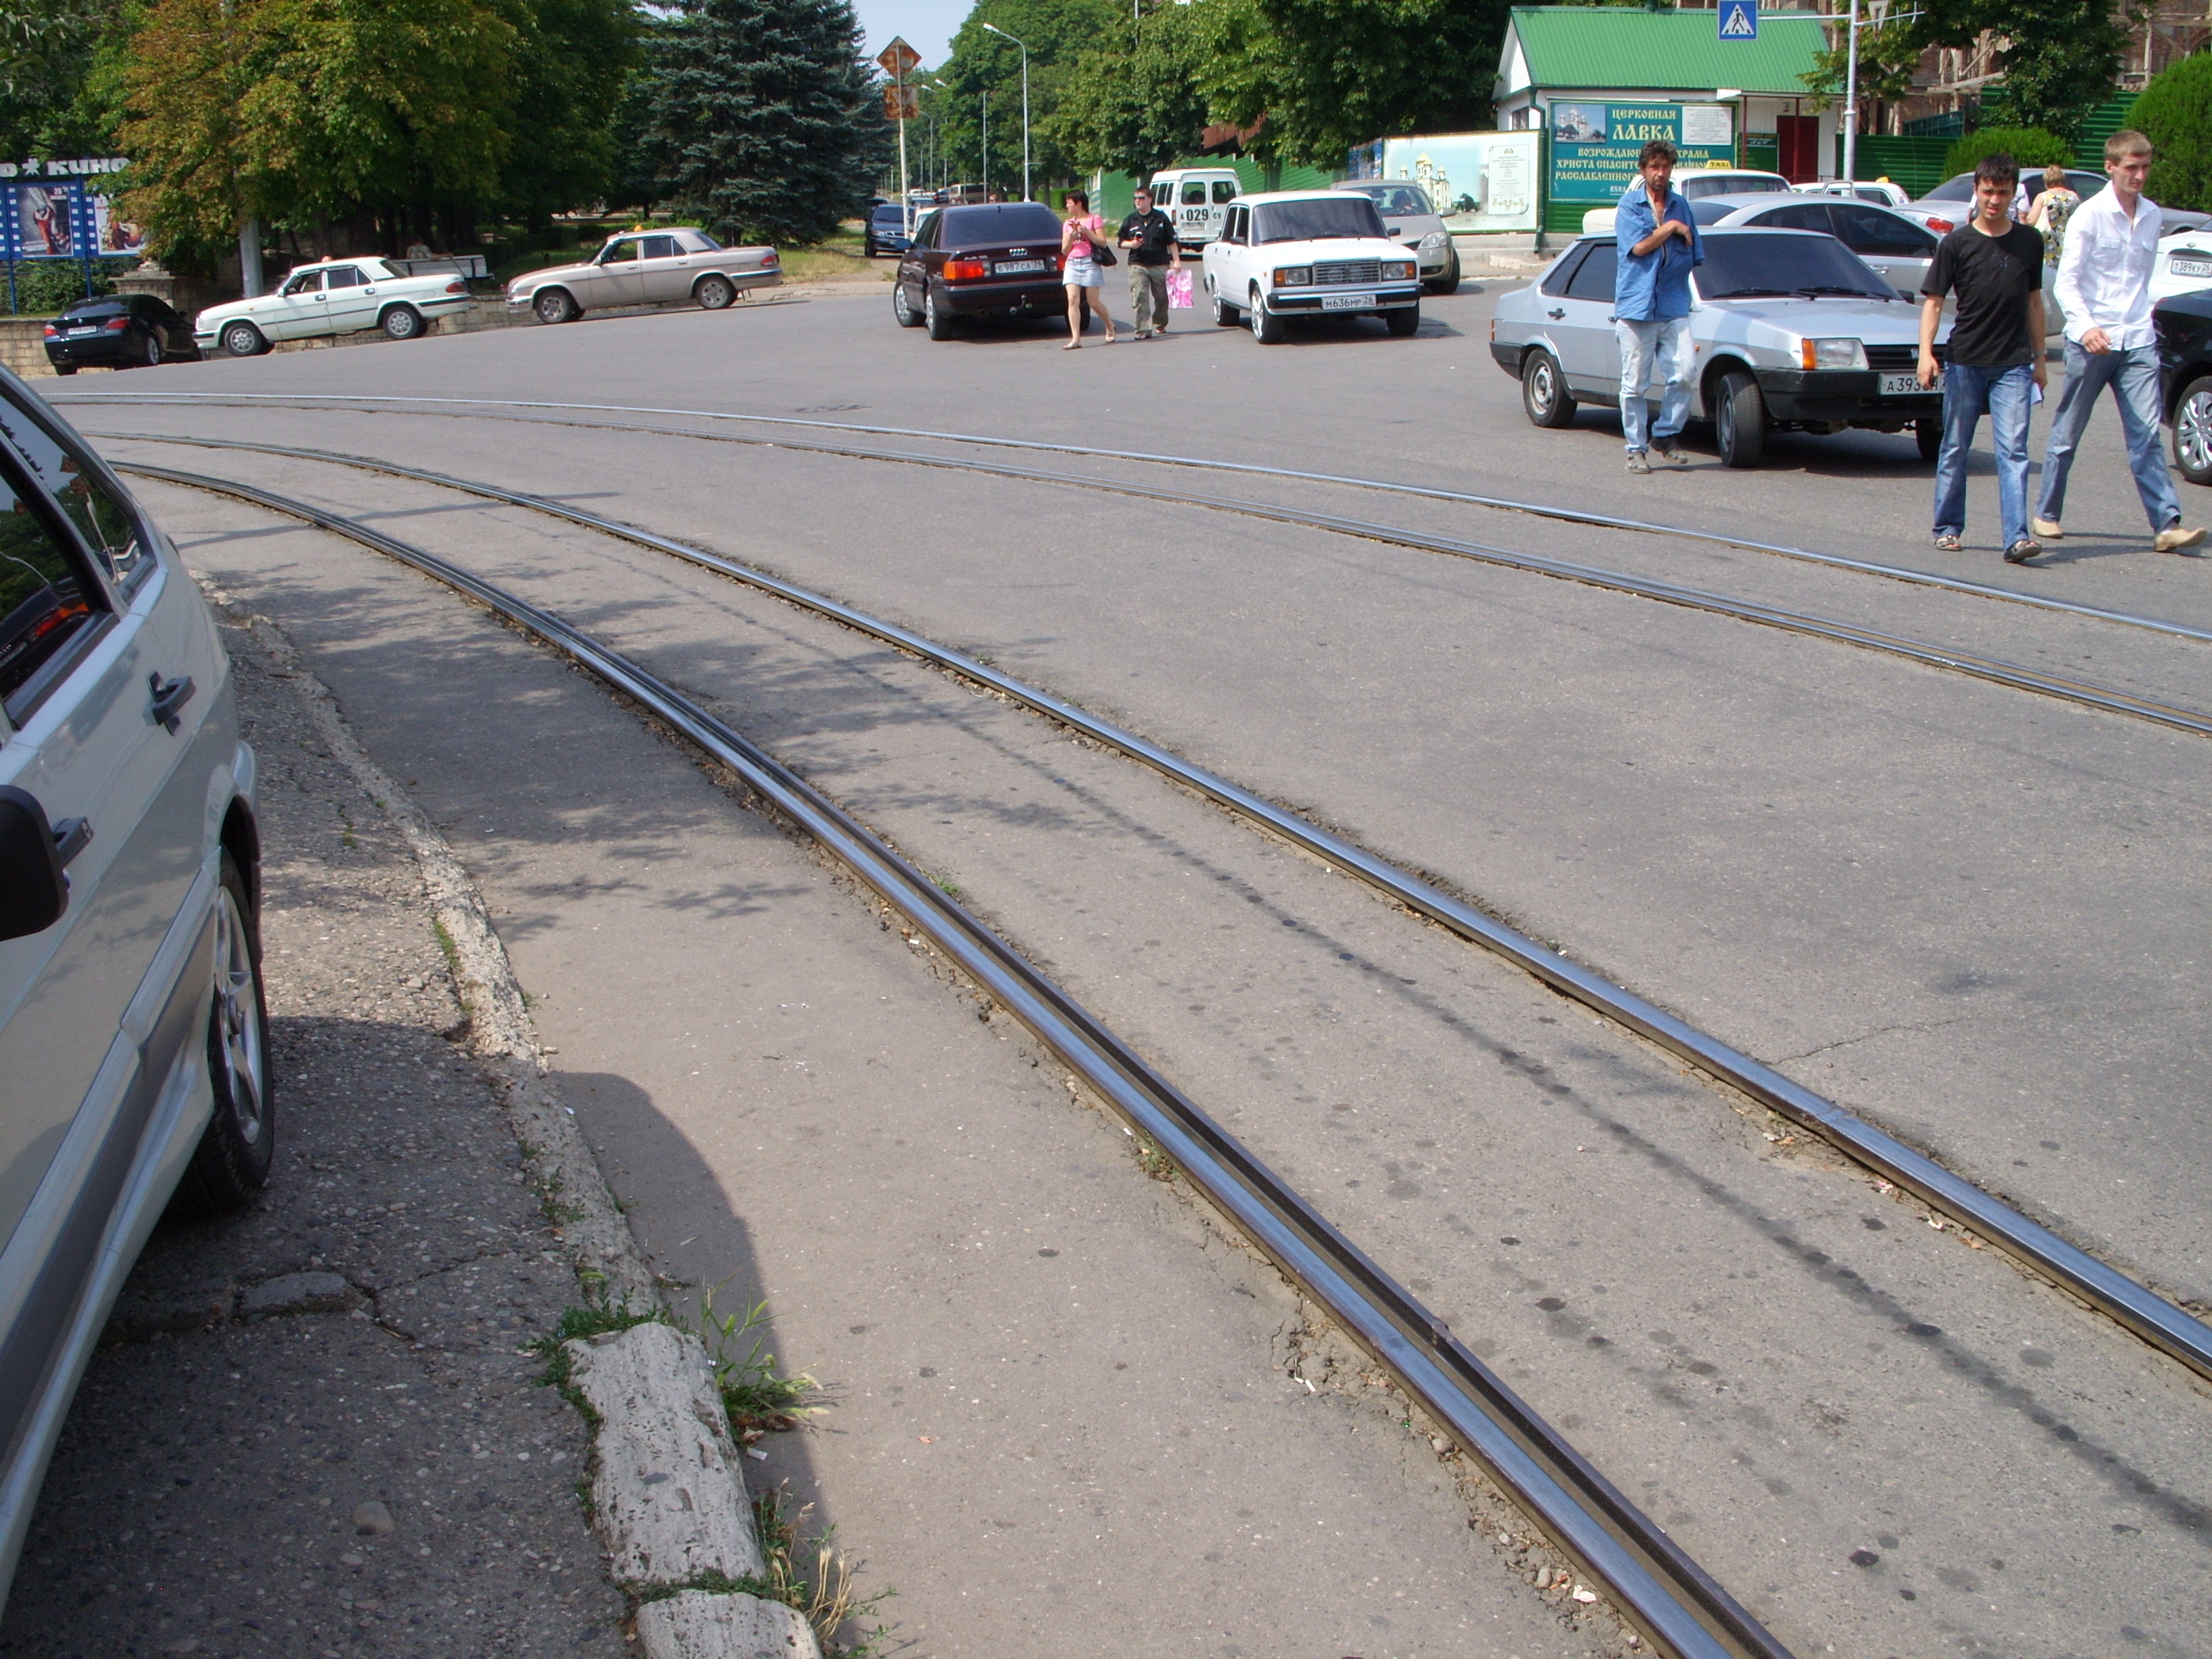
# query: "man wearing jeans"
2104 293
1997 353
1659 246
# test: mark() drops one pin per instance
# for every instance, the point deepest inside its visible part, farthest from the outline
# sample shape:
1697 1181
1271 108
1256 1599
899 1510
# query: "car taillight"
117 325
1942 226
52 331
966 271
768 261
456 286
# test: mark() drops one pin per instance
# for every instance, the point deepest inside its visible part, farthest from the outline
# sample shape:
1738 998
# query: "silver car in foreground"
134 1069
674 266
1792 329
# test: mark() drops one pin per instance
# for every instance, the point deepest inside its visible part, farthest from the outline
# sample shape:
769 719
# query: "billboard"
1594 145
41 221
1479 181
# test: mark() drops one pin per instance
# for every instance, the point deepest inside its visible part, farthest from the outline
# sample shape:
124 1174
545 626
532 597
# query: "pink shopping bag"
1179 286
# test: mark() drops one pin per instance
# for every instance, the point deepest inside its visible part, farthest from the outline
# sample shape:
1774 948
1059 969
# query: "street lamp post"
1851 101
1003 35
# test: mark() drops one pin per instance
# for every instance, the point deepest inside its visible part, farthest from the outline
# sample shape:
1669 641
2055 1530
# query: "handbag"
1104 254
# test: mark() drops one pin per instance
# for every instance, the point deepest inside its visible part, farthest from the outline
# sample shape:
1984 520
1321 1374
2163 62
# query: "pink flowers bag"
1179 290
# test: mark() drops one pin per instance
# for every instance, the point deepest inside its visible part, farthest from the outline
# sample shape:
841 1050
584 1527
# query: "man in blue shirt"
1659 246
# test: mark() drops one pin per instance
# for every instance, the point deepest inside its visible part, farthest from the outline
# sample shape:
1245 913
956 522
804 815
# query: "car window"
1316 219
698 241
1960 189
1713 209
621 253
105 524
1406 200
49 602
308 281
1593 278
343 276
1225 190
891 213
1007 222
1802 215
1193 192
660 247
1870 230
924 234
1727 183
1563 270
1744 266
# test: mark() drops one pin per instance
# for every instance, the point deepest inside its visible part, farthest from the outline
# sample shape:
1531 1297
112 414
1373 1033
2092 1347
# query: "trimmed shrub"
44 287
2175 110
2030 146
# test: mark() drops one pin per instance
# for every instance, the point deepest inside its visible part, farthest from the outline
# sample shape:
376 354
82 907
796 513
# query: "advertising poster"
113 235
1479 181
41 222
1594 146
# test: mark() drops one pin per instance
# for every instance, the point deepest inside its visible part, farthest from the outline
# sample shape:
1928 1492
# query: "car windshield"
1713 209
1730 184
1006 222
1318 219
1780 264
1960 189
1396 201
891 213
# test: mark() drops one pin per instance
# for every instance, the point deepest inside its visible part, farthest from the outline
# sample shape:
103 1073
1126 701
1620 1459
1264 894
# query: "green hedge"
44 287
2174 110
2029 148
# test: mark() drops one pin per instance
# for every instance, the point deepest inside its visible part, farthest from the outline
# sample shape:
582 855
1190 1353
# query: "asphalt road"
1975 915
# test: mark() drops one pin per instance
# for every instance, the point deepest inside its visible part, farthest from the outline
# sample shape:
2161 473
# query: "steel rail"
2134 1306
1996 671
1539 509
1653 1582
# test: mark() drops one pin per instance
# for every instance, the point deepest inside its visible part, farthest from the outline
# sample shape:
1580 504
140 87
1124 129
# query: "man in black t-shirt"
1149 236
1996 362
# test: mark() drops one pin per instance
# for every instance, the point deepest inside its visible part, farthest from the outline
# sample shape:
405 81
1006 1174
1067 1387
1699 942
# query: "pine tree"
765 119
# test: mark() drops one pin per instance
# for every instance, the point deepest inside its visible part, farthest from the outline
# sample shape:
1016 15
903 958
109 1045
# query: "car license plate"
1907 385
2181 267
1015 267
1348 302
93 328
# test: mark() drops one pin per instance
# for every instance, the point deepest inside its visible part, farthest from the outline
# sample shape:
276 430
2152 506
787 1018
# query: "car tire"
2192 431
153 355
1266 329
939 322
1225 314
554 306
1449 282
715 293
242 339
403 323
1928 435
232 1161
903 309
1740 420
1545 399
1405 322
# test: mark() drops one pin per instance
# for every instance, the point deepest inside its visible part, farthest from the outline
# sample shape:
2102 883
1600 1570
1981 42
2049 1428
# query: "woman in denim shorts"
1081 236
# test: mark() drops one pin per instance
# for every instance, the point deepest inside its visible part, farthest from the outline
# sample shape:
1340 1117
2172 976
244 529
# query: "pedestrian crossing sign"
1739 19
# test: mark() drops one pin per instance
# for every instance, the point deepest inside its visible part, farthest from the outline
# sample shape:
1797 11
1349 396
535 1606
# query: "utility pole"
986 146
1852 101
1003 35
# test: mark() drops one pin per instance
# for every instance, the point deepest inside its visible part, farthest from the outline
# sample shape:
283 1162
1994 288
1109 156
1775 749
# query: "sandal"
1072 346
1946 543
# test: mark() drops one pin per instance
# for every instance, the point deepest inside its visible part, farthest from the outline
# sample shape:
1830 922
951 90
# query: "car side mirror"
34 891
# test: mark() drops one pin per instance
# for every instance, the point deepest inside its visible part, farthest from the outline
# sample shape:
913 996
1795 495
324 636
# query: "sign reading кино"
1595 146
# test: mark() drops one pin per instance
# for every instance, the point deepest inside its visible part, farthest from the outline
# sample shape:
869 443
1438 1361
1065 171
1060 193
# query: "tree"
1059 33
2059 60
574 62
50 52
2175 112
1135 111
765 118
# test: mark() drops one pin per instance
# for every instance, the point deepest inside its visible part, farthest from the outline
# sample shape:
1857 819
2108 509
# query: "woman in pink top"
1081 236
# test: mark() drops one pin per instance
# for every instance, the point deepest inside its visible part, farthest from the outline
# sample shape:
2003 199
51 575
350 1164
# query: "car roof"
1710 231
1265 196
1789 198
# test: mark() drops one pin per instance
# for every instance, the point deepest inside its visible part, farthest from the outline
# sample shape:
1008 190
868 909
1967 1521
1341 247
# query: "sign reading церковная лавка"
1595 146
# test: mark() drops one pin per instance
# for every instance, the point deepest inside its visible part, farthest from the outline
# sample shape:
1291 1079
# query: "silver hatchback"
134 1059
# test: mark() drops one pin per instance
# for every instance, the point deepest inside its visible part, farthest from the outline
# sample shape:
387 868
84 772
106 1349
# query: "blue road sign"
1739 19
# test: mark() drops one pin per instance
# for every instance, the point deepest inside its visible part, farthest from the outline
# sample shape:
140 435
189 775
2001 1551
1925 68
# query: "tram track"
2136 1307
1651 1580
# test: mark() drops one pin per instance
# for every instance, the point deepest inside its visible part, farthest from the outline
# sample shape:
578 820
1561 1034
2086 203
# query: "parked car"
1882 192
1792 329
641 267
884 230
1197 199
134 1056
118 331
1952 202
1695 186
332 296
1308 253
2184 266
998 259
1411 219
1894 246
2183 326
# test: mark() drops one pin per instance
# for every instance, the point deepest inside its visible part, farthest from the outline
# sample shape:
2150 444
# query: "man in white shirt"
2104 291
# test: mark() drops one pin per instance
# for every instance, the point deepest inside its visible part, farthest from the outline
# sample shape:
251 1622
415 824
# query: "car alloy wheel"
715 293
902 307
2192 432
554 307
152 355
403 323
1266 329
232 1161
243 340
940 323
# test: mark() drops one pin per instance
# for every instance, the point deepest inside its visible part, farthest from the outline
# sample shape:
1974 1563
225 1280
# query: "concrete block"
702 1624
666 1480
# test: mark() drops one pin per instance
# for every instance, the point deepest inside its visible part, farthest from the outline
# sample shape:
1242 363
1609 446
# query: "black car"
118 331
997 260
885 230
2184 322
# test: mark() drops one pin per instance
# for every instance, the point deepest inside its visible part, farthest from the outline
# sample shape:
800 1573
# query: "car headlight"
1435 242
1831 354
1294 277
1398 269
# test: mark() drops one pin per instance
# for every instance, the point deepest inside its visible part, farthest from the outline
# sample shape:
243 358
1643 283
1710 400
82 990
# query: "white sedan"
332 296
2184 264
1308 253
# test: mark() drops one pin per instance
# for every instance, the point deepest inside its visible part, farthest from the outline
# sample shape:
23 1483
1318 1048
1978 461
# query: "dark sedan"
2184 323
885 232
118 331
996 260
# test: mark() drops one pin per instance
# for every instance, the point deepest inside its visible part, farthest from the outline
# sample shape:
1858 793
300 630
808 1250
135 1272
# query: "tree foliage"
1136 108
2032 150
2175 112
764 119
51 54
1059 33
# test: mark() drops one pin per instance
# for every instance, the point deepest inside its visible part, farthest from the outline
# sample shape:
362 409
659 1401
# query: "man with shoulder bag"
1149 236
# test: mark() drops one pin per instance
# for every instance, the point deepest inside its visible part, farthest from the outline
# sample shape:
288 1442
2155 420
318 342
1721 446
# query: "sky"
927 25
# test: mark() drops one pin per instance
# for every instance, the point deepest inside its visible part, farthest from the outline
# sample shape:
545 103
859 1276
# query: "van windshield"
1321 219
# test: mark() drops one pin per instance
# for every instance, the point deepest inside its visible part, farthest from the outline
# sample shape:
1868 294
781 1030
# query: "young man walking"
1997 353
1149 236
1659 247
2104 293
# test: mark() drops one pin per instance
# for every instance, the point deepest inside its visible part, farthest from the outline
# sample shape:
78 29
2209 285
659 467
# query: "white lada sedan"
1309 254
332 296
641 267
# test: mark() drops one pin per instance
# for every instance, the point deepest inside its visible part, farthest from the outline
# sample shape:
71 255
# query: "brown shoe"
2173 538
2048 529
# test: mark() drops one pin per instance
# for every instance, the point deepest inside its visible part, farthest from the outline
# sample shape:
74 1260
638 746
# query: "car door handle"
1556 315
71 836
169 698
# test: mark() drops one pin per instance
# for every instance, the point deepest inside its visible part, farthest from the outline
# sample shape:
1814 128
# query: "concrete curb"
669 1505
